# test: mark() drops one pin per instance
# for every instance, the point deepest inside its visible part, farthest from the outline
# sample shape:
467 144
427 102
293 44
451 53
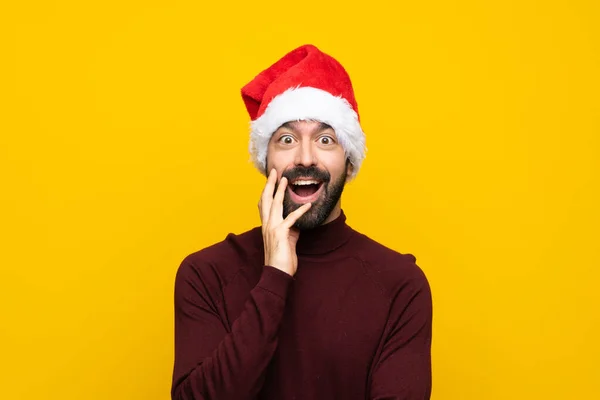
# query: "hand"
279 235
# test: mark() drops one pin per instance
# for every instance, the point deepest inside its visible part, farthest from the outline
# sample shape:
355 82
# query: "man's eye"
286 139
325 140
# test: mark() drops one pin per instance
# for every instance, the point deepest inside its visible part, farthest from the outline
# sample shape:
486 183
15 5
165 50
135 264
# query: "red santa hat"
305 84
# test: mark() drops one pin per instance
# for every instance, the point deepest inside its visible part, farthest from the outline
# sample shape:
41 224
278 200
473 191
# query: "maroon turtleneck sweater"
353 323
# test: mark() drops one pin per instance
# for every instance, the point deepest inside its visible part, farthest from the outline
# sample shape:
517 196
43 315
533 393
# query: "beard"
320 208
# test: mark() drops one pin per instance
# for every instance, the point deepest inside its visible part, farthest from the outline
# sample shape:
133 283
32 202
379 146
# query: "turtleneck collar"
324 238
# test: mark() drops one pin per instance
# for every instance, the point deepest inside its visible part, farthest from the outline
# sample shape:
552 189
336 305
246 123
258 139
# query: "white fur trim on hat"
308 103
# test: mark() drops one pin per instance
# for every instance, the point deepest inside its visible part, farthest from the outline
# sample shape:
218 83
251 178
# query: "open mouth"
304 190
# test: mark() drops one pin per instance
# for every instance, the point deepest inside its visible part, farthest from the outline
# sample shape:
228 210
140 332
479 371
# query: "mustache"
307 172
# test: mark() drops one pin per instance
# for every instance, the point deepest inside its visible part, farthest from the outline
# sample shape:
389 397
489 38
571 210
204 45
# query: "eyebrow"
291 126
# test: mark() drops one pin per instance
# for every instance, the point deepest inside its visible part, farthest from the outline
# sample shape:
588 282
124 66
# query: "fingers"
277 206
295 215
271 207
266 199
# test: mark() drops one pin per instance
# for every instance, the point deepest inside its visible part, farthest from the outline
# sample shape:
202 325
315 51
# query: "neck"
325 238
334 214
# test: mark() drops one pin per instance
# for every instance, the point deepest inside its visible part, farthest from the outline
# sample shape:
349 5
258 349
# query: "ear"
349 169
267 168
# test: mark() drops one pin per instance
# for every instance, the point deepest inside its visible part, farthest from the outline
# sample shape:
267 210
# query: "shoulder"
392 270
218 263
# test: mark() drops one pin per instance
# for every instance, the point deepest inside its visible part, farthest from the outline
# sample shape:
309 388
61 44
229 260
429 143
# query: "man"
303 307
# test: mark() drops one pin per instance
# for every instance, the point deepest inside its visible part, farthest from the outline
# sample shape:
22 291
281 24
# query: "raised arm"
211 362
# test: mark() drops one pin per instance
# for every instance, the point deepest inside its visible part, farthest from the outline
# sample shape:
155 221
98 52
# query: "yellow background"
123 148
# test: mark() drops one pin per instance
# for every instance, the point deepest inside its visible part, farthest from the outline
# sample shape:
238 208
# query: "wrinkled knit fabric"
353 323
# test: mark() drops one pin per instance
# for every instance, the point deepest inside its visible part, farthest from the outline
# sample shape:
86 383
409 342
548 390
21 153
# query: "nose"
305 155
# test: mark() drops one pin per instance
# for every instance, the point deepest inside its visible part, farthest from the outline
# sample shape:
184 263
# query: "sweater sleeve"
212 363
403 369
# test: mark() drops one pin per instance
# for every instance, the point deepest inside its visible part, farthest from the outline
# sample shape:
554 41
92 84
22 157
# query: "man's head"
305 124
309 155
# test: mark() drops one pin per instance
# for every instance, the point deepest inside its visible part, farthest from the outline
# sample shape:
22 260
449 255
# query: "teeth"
302 182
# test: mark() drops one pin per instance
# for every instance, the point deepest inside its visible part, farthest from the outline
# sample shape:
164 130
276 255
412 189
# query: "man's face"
309 155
